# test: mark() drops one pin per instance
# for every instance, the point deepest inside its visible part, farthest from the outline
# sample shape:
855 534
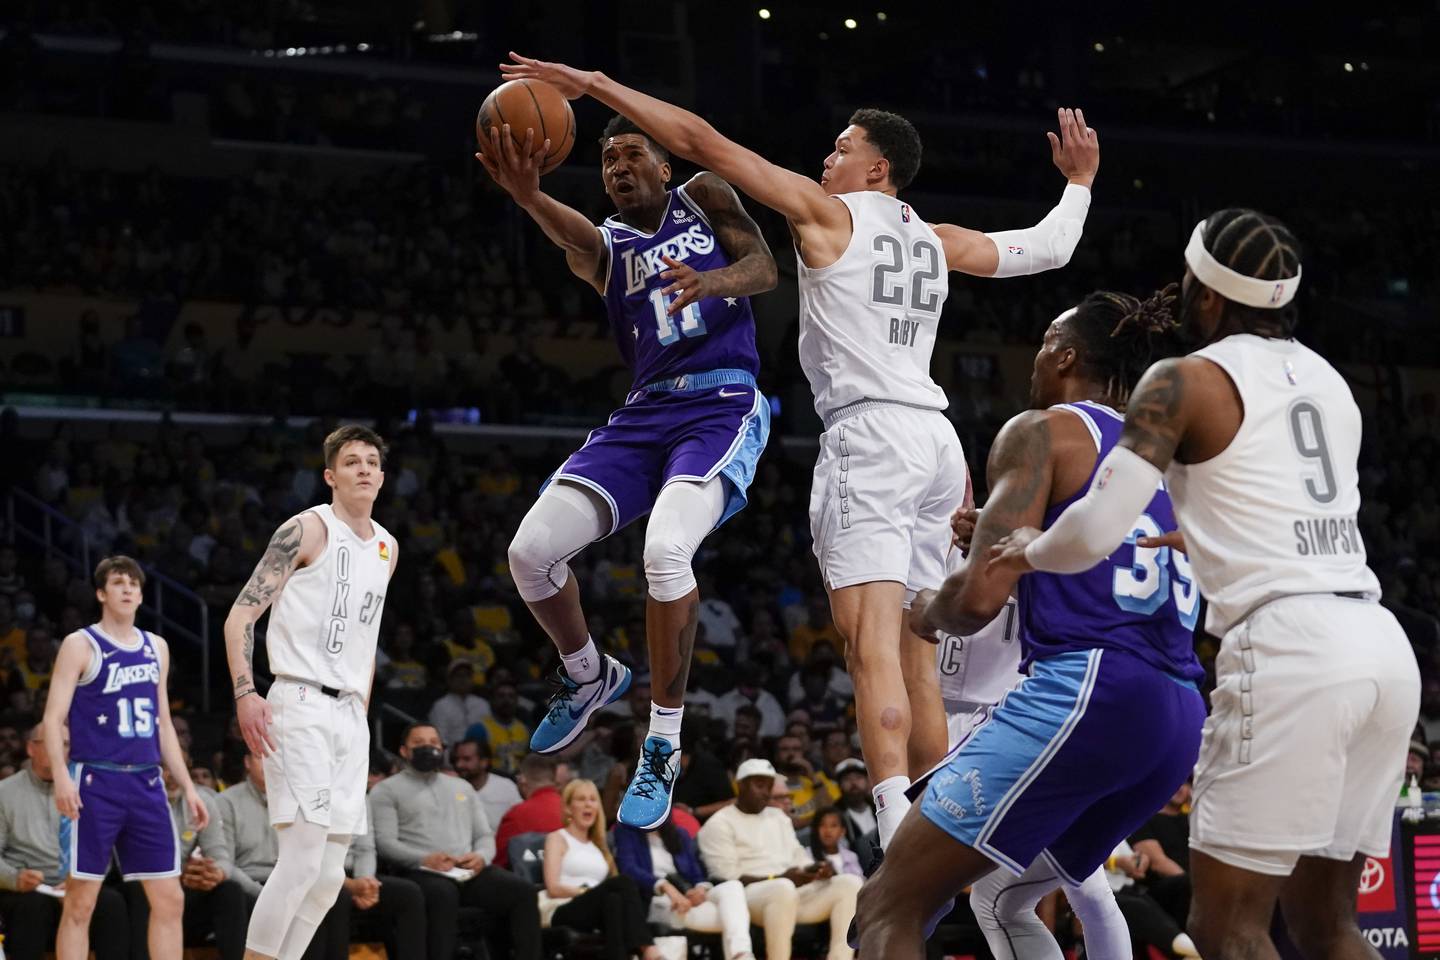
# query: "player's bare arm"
1075 151
798 198
517 171
70 664
394 560
1168 399
752 267
1020 472
170 750
298 541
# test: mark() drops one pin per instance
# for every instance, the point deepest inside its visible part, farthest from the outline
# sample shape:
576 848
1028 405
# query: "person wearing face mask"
433 826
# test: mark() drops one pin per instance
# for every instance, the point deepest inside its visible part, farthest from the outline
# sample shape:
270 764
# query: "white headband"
1251 291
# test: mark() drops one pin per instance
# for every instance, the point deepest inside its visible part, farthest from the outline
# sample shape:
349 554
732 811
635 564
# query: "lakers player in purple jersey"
1107 722
109 686
675 268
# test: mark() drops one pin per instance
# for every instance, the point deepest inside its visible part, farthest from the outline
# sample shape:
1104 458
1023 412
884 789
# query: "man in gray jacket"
30 859
432 826
214 902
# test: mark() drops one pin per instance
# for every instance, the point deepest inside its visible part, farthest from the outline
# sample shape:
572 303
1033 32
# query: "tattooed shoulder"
275 565
1153 425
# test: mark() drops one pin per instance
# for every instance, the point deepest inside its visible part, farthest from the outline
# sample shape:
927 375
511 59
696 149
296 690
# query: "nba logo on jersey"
384 551
904 213
1279 292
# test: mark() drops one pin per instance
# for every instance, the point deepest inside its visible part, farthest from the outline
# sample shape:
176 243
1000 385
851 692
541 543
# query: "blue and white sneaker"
647 801
572 703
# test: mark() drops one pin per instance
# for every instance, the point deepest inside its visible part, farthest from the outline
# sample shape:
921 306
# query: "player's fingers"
671 261
672 288
1054 144
1080 120
685 298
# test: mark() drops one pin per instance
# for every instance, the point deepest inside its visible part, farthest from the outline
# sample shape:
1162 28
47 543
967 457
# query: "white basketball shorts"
888 478
321 760
1304 750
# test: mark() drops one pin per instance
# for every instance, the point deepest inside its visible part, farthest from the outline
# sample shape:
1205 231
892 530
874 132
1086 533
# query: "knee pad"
684 514
562 522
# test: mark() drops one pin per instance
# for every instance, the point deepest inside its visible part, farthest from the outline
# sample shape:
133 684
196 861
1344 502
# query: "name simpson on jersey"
1327 536
135 673
643 265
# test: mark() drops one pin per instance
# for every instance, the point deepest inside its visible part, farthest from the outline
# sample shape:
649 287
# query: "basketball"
529 105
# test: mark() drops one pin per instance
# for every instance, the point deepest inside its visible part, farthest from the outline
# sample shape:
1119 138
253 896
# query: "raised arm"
1020 471
1049 244
798 198
752 268
1159 413
298 542
517 171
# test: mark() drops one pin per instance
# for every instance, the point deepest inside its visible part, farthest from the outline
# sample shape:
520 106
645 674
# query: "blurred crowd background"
228 226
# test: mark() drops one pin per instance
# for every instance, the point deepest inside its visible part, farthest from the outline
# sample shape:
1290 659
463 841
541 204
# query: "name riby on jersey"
642 265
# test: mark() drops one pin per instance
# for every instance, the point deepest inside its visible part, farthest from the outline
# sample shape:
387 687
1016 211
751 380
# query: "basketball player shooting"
109 686
1317 690
326 572
873 279
675 268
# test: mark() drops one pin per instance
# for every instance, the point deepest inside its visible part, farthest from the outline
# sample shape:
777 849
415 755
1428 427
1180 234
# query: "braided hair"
1118 337
1256 245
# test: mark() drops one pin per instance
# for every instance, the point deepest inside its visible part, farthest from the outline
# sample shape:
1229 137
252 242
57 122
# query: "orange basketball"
529 105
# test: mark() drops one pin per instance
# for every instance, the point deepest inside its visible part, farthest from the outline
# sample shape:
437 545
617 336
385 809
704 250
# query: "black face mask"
426 759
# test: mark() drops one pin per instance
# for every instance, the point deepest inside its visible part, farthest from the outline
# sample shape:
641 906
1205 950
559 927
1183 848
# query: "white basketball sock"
891 805
665 723
583 666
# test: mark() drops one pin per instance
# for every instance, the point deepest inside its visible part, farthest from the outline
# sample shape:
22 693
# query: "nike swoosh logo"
737 393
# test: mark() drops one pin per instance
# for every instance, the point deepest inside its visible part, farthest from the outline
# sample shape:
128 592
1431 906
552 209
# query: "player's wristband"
241 696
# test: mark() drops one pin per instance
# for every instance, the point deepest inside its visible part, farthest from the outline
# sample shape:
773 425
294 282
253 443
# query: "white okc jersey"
323 627
976 671
868 320
1274 514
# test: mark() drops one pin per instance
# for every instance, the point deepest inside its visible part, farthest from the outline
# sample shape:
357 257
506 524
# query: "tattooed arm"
752 268
1021 471
1156 421
298 542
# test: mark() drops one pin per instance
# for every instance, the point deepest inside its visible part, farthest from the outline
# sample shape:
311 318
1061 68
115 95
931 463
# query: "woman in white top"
580 871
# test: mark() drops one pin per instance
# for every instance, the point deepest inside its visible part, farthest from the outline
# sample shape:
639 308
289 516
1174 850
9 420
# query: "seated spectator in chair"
809 791
459 708
828 843
583 889
214 903
856 802
540 812
30 856
704 783
667 863
497 793
429 823
255 846
1150 924
784 885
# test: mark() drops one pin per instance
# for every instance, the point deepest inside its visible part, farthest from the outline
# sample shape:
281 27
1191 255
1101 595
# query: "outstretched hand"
1076 151
571 83
515 169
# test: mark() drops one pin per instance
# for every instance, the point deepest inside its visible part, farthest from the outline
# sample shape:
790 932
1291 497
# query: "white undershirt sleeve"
1047 245
1091 528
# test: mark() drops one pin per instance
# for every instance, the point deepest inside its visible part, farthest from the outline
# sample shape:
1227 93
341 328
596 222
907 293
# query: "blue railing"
188 617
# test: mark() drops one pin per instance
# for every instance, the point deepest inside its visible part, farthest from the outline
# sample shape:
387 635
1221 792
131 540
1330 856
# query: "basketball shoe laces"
562 697
654 773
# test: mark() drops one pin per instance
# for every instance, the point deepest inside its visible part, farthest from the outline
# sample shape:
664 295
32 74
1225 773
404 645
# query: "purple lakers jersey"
714 333
113 713
1141 600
